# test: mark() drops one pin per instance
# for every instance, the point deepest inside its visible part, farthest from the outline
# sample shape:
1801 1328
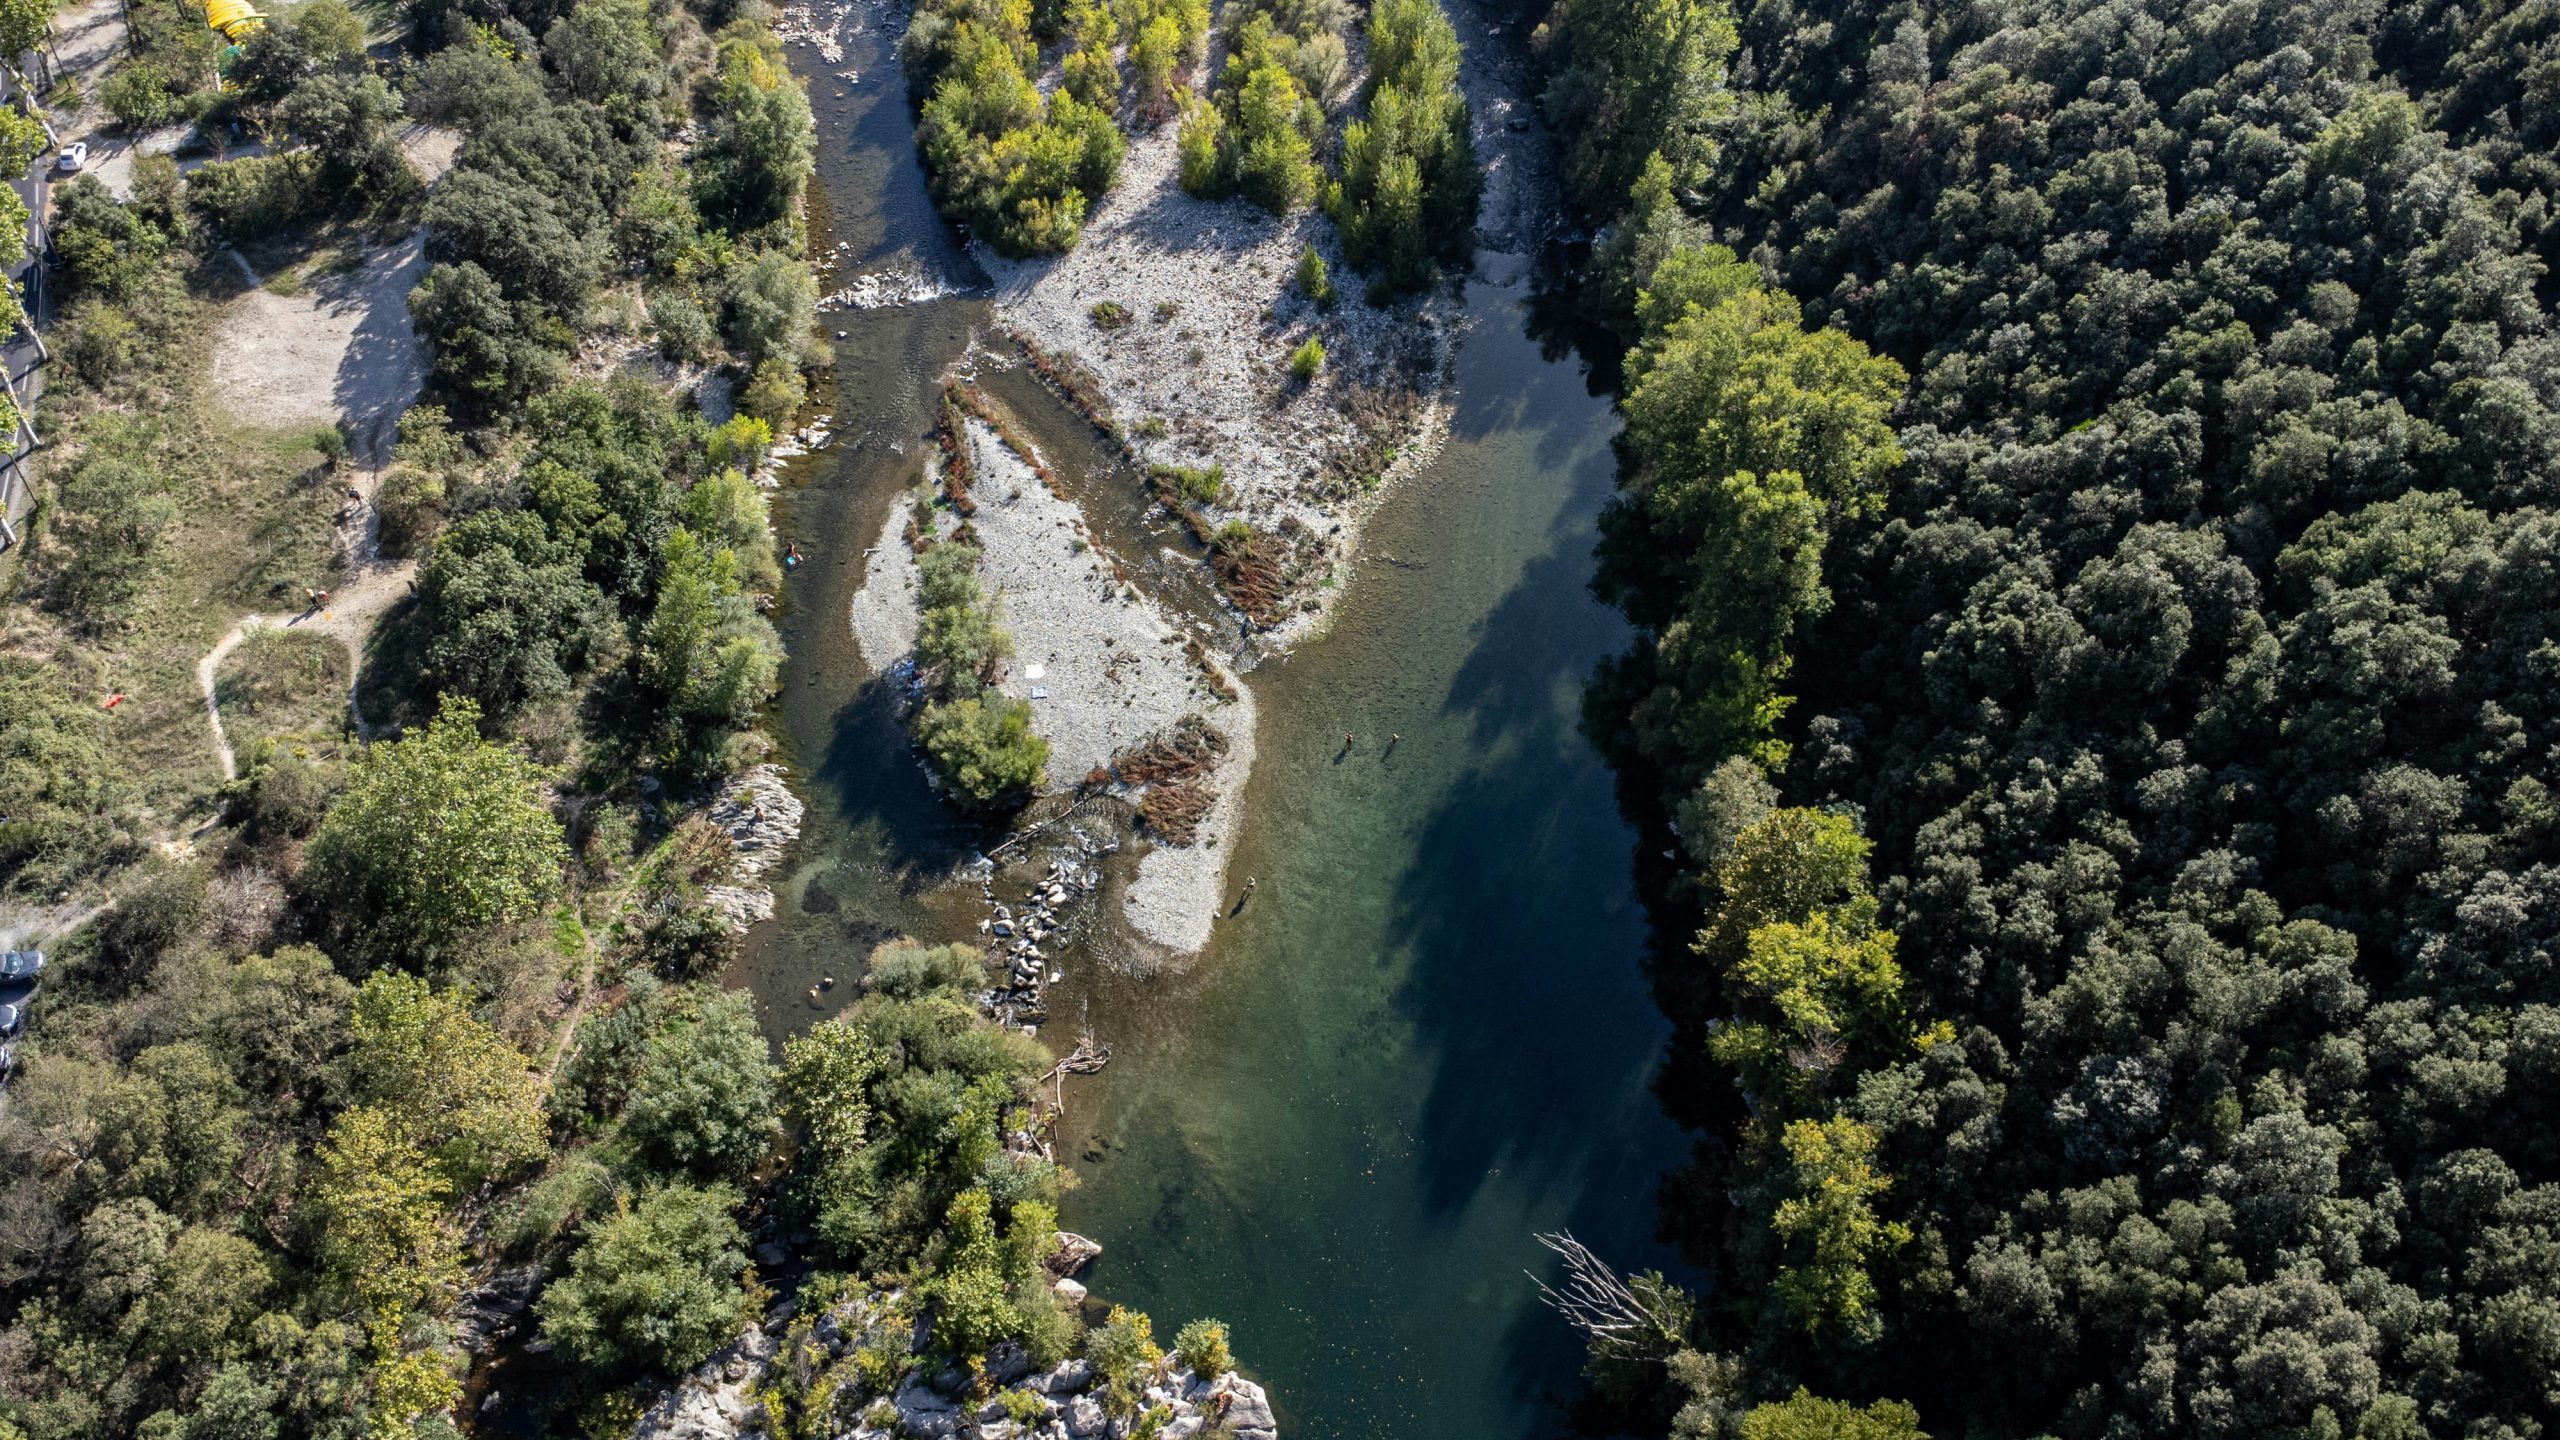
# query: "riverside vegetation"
2088 504
385 1024
1021 171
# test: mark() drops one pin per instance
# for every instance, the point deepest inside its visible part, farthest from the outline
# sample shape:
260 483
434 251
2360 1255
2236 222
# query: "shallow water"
1427 1036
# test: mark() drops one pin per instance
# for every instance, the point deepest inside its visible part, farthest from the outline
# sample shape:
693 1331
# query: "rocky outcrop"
761 817
1069 1409
1074 1252
490 1309
718 1401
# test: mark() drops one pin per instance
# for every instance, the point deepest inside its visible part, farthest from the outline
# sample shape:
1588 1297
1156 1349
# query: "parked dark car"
13 1018
21 965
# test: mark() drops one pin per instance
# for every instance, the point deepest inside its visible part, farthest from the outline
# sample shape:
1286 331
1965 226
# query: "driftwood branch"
1596 1302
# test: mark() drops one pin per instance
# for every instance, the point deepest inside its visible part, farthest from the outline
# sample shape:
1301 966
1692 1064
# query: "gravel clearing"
1197 372
1181 890
1110 670
1101 665
884 609
1198 375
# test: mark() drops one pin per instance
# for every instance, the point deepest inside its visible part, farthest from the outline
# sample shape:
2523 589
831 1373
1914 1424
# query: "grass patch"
254 523
281 682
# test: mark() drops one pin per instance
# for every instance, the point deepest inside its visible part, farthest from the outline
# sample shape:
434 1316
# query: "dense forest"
2088 500
412 1038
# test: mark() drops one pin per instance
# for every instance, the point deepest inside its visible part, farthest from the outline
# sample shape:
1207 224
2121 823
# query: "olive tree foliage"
439 833
2165 620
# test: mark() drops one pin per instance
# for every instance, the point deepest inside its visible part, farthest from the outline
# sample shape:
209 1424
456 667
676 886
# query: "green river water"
1428 1036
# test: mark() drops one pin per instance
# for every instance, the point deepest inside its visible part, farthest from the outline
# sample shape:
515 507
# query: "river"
1428 1035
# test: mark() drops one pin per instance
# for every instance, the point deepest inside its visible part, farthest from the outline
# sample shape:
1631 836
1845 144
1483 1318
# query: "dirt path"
349 617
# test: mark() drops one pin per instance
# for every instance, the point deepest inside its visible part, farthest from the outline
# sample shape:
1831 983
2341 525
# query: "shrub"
1313 280
141 97
1122 1350
685 331
1202 1344
1200 486
97 341
774 393
773 307
984 747
1110 315
1307 359
256 196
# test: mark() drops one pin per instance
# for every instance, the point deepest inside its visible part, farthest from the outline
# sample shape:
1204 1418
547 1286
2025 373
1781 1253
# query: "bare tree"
1620 1318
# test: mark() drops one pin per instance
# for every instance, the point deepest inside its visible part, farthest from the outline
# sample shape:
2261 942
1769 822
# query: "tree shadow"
1529 982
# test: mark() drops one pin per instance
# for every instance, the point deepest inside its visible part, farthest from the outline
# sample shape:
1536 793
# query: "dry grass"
281 682
256 513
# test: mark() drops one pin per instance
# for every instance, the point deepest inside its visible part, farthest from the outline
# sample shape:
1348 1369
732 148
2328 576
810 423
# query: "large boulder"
1074 1252
1246 1409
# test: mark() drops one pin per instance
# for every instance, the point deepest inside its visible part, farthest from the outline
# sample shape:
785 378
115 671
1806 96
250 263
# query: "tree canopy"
440 833
2164 403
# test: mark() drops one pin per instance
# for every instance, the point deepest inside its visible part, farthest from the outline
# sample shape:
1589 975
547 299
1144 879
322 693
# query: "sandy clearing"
430 149
341 350
884 609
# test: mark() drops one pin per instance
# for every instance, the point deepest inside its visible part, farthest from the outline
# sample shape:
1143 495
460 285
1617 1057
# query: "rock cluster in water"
761 817
1015 937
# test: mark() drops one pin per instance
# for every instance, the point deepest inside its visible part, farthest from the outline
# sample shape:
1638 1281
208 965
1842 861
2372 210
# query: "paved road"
20 354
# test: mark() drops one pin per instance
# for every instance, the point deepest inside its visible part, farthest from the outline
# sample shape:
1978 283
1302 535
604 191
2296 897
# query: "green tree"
657 1284
439 834
703 1097
24 25
1805 1416
1754 438
972 1312
827 1072
1829 1226
984 746
1633 79
387 1243
454 1089
1409 185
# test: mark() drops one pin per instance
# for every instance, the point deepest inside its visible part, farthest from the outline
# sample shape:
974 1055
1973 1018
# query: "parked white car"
74 155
